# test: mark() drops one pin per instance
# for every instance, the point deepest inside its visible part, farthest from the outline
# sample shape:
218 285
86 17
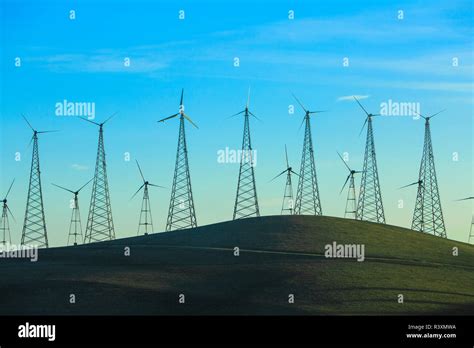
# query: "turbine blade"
363 126
317 111
29 144
189 119
236 114
110 117
141 173
283 172
416 112
342 159
437 113
251 113
301 104
169 117
149 184
85 119
413 183
29 124
464 199
137 191
301 125
345 183
182 95
286 156
6 196
48 131
63 188
85 185
295 172
361 105
11 214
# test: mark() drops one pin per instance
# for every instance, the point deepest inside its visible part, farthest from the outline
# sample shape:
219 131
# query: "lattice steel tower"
100 224
351 201
246 201
307 196
4 222
428 215
288 202
181 213
471 230
370 206
75 225
145 223
34 226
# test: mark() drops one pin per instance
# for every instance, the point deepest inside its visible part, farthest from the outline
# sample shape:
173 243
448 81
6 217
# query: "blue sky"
81 60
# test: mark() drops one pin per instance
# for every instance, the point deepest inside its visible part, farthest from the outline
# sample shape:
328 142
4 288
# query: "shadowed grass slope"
279 255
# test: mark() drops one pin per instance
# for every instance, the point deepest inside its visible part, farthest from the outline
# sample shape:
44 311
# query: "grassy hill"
279 255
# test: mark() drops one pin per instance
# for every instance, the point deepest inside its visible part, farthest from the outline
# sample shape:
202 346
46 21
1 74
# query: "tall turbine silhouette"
370 206
471 230
146 220
288 203
351 201
307 196
75 225
181 213
100 224
246 201
34 226
4 223
428 215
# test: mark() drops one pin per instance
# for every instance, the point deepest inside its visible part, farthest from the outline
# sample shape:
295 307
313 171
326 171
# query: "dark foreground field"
279 255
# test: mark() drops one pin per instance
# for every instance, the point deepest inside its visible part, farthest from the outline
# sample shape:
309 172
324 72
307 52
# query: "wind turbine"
351 201
420 190
471 230
370 206
246 201
428 215
4 223
100 224
34 226
307 196
147 220
419 183
181 213
75 226
288 194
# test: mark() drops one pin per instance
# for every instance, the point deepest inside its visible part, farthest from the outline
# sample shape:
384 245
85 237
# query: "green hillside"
279 255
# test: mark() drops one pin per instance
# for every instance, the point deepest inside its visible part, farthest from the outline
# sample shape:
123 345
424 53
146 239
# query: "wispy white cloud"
351 97
380 26
439 63
350 28
287 43
103 62
425 85
146 58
